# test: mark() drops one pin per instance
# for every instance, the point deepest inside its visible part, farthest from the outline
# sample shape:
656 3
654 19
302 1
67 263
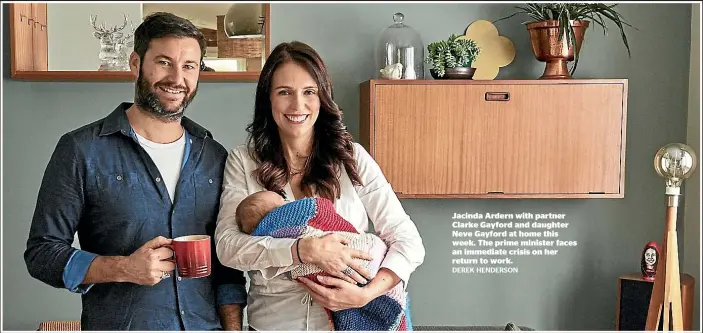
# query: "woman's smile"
297 118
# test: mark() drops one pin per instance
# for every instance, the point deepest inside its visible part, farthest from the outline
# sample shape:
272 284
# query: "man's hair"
162 24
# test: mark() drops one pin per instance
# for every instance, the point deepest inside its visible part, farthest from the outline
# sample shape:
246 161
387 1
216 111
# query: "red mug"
192 256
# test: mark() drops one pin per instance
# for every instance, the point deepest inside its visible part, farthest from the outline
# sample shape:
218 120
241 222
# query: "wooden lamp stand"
666 292
675 162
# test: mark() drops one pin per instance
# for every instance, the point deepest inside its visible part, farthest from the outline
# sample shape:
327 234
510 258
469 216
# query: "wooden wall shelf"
108 76
497 138
29 51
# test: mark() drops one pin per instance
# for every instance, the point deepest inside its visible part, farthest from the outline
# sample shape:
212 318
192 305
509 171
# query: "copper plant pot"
547 47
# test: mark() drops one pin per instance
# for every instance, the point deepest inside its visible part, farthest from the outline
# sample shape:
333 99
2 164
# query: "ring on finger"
348 271
165 275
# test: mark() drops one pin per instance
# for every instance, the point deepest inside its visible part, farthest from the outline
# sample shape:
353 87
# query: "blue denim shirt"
103 185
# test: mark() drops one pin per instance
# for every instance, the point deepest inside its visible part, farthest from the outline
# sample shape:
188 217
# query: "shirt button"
119 177
183 312
179 278
209 180
158 179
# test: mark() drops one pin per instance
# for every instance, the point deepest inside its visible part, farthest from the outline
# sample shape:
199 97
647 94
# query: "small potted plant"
452 58
552 23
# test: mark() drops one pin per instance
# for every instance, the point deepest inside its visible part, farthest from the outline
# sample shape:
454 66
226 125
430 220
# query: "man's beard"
149 102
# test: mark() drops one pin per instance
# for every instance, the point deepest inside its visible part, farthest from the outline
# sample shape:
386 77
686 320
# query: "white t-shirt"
168 158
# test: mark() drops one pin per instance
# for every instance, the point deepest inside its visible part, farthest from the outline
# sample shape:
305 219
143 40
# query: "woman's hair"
332 144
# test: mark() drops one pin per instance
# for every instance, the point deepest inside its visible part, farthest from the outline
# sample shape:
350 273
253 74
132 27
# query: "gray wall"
71 42
575 290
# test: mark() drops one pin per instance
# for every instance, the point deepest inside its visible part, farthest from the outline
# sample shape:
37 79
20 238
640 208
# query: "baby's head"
255 207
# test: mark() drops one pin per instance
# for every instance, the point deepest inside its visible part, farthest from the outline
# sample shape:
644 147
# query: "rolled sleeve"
279 252
76 269
399 264
231 294
56 216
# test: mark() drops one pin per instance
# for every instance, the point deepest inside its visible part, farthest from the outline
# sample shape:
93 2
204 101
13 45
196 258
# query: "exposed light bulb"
675 162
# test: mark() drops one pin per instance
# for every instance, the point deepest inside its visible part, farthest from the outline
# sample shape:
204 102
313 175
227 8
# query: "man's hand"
146 265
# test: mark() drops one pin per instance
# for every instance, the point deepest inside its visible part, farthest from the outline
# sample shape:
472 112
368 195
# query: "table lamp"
674 162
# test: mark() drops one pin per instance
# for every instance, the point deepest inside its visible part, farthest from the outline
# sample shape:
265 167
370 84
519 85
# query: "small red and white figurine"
650 259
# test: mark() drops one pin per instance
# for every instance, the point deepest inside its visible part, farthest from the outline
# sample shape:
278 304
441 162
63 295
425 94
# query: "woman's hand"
331 254
338 294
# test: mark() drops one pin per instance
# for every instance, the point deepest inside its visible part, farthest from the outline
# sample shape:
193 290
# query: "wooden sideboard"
497 139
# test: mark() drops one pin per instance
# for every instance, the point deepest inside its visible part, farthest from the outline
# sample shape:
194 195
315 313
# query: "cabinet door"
430 139
40 41
22 43
530 139
554 138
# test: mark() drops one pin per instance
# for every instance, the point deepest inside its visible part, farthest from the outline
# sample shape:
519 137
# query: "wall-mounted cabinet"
497 139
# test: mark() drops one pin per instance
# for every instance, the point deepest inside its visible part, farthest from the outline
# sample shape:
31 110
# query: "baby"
255 207
265 213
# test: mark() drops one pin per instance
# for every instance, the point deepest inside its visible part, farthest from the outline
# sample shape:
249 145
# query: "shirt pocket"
120 194
119 210
207 197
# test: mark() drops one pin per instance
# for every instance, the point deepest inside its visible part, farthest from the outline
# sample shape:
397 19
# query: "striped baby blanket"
315 217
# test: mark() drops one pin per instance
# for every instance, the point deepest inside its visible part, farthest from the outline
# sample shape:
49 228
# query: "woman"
299 147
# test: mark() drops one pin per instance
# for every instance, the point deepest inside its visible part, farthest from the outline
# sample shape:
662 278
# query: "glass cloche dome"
400 52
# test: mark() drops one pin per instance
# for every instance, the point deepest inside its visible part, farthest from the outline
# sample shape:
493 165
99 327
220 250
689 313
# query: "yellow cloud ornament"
496 50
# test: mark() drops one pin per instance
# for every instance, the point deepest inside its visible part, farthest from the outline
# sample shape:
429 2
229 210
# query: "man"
130 183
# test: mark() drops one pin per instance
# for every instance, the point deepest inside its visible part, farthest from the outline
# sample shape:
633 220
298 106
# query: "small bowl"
458 73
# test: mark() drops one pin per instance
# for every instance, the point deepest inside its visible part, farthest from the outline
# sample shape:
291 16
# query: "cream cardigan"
276 303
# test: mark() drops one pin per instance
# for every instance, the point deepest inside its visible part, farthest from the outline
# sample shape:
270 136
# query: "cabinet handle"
22 16
498 96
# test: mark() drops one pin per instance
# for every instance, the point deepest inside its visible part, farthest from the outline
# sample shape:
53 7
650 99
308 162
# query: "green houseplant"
452 57
552 23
